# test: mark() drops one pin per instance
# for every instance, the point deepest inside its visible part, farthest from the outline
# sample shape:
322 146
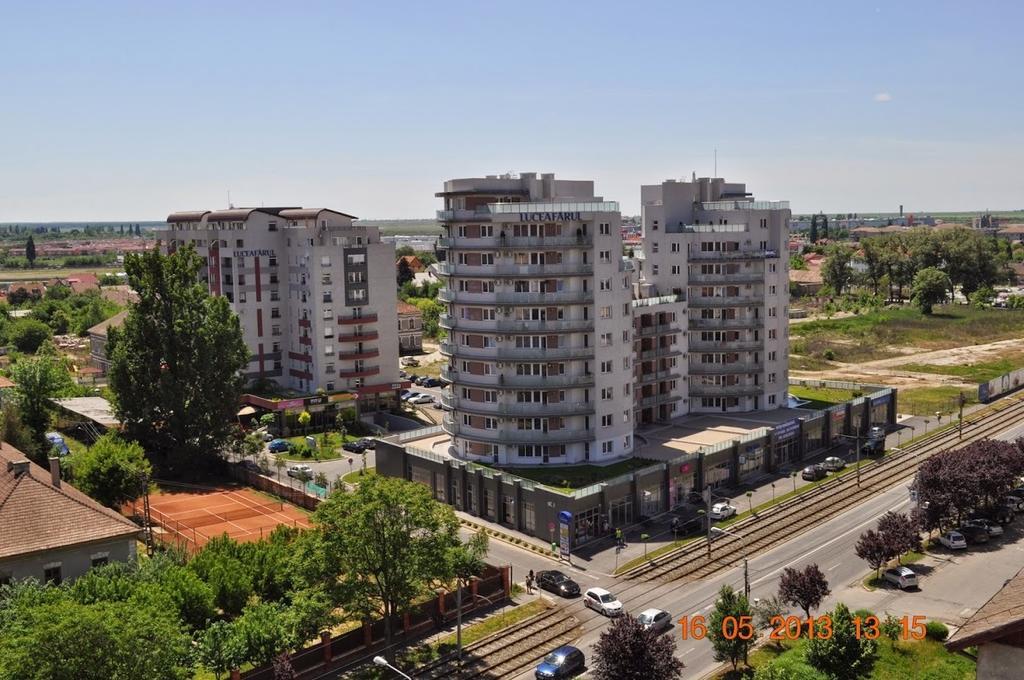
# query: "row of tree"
371 553
897 535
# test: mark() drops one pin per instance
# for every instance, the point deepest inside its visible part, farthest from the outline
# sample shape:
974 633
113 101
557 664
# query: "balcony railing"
511 298
506 351
563 436
697 278
723 301
357 337
516 326
700 390
358 372
658 352
713 255
510 241
491 270
733 368
658 376
553 207
654 400
518 409
745 205
506 381
364 354
717 324
659 329
365 318
726 345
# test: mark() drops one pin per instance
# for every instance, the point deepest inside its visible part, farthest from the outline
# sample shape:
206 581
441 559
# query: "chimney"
55 471
18 467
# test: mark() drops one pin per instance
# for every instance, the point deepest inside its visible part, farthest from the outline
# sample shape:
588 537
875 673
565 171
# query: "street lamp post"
773 493
856 438
746 570
793 475
382 662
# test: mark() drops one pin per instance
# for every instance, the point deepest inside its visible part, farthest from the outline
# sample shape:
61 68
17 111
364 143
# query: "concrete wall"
999 662
73 561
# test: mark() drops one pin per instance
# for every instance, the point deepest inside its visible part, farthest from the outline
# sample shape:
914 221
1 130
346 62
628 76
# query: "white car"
721 511
300 471
655 620
421 399
833 464
603 602
953 540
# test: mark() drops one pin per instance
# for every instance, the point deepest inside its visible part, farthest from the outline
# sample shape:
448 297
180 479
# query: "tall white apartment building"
315 295
724 256
539 321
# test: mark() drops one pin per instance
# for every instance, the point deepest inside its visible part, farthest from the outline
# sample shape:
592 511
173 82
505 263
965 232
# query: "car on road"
558 583
974 534
353 447
279 446
655 620
564 662
367 443
300 471
953 540
833 463
602 602
988 525
813 473
57 442
722 511
901 577
421 399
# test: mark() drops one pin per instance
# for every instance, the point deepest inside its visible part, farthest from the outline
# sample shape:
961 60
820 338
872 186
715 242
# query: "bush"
936 630
829 355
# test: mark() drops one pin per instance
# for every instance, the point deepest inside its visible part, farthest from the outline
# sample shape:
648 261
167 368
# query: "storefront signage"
313 401
268 252
684 468
787 430
549 216
564 521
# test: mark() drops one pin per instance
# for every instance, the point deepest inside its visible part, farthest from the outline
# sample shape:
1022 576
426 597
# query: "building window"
52 574
606 312
325 261
529 517
607 393
99 559
675 248
606 367
606 420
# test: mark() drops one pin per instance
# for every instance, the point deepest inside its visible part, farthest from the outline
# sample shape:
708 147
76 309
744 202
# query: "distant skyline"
127 111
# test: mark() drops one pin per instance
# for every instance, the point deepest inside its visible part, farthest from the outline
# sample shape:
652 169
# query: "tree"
835 271
283 667
219 564
170 396
874 549
842 656
405 273
14 431
804 588
30 251
766 611
27 335
813 236
112 470
219 649
305 418
899 533
930 288
380 547
891 628
262 632
727 645
39 380
626 651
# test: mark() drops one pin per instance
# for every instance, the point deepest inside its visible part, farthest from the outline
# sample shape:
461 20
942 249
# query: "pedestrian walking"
529 582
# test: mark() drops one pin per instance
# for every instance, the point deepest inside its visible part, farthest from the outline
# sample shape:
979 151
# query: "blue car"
57 442
279 446
564 662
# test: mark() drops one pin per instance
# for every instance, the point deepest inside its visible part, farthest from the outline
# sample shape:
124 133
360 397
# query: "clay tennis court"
191 516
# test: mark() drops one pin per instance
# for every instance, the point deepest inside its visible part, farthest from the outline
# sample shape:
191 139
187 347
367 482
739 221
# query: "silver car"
655 620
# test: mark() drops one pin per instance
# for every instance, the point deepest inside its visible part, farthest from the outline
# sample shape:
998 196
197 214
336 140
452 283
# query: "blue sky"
130 110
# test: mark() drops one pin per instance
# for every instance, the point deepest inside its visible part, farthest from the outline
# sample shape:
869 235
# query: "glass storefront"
587 525
620 512
751 459
814 434
719 474
529 518
650 500
837 424
787 451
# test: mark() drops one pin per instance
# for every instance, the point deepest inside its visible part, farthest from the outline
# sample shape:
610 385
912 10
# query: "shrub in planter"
936 630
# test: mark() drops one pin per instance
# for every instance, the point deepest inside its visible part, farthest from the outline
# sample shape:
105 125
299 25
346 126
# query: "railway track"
822 503
508 652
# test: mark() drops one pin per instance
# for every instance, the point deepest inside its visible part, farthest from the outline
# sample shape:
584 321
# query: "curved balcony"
563 297
716 301
514 270
721 324
366 318
731 255
698 279
699 390
506 351
510 436
726 345
365 354
359 337
736 367
518 409
358 372
502 381
516 326
509 241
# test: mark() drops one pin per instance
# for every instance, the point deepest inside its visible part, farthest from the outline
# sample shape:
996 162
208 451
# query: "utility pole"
960 427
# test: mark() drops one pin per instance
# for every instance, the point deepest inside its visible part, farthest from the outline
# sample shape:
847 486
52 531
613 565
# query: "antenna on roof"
230 207
716 162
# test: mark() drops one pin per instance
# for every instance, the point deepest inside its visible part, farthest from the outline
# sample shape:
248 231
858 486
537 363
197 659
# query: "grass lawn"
431 370
822 397
798 362
44 273
866 337
895 661
331 451
354 477
979 372
576 476
925 401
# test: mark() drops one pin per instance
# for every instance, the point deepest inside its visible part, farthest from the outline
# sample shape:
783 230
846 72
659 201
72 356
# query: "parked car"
974 534
833 463
1015 503
279 446
409 394
953 540
722 511
988 525
57 442
813 473
602 602
656 620
409 361
695 497
367 443
558 583
300 471
412 377
431 382
419 380
901 577
1001 514
353 447
876 433
267 436
421 399
252 466
564 662
403 374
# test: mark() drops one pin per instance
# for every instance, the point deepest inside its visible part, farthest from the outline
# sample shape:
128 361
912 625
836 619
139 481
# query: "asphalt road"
952 582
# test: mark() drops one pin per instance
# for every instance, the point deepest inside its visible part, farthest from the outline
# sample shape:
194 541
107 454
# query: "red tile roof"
36 516
406 308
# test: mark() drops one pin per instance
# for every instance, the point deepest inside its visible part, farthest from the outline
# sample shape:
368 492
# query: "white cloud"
883 97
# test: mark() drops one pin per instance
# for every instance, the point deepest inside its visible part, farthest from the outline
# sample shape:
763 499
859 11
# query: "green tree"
982 298
402 251
726 645
262 632
14 431
835 271
305 418
930 288
891 628
842 656
380 547
766 612
112 470
804 588
30 251
39 379
219 649
405 273
797 262
168 392
27 335
626 650
219 564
